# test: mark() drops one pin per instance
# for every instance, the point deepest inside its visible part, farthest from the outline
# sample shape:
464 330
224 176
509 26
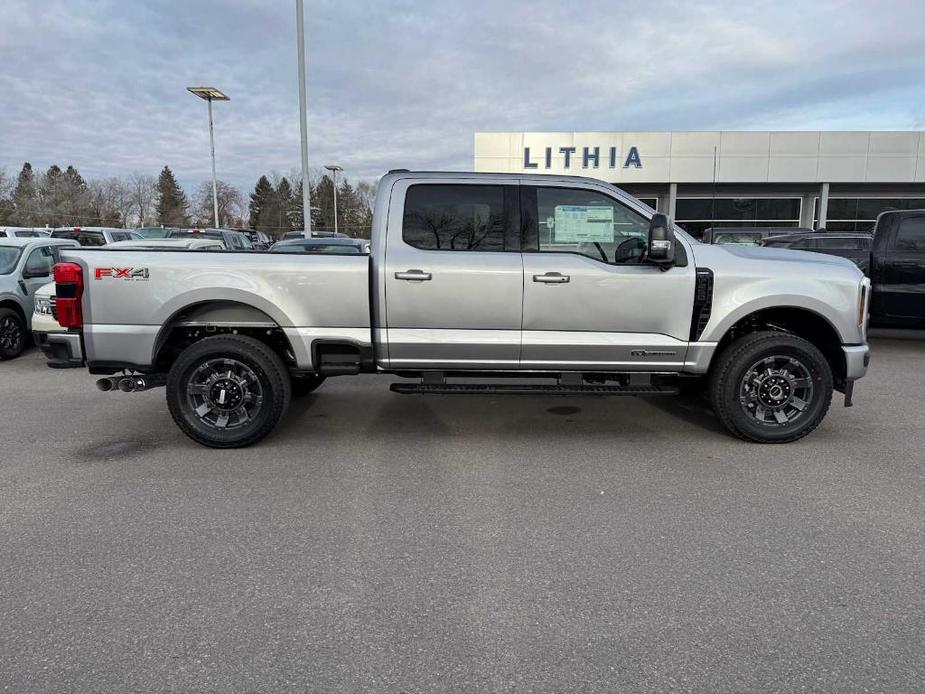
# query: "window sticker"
578 223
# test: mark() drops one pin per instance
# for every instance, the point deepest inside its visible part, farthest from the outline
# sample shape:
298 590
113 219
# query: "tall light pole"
334 168
303 120
211 94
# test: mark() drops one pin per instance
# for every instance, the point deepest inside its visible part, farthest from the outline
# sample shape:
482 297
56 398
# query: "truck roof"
396 174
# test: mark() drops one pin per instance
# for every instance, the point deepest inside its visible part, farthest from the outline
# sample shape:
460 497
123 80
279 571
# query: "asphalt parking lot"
386 543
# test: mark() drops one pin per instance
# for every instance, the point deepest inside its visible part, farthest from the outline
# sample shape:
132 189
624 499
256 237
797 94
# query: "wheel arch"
204 318
797 320
17 307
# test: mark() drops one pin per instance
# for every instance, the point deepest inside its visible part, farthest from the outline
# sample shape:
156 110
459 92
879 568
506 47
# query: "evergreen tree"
25 197
74 204
323 199
296 216
283 205
261 200
172 204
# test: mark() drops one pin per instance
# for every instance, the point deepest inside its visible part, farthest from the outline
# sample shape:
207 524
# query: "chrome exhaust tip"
104 384
127 385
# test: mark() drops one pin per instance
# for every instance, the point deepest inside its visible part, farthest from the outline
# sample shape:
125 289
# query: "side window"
837 244
446 217
911 235
571 220
40 261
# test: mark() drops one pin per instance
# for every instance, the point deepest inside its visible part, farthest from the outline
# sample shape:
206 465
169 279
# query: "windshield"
9 256
737 239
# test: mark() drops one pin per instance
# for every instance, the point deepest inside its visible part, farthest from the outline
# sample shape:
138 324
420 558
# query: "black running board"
517 389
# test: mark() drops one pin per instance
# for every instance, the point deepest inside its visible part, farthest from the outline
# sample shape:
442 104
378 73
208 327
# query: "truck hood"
761 253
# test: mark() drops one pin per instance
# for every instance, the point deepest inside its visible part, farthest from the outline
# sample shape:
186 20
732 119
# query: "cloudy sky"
101 85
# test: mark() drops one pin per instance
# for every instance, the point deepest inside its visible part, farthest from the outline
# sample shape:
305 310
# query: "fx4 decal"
124 273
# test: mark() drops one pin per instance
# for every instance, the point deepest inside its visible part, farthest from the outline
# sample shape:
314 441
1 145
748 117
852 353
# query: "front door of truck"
903 270
589 303
453 275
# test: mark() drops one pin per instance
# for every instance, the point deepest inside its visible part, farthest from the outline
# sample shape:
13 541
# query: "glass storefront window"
860 214
695 215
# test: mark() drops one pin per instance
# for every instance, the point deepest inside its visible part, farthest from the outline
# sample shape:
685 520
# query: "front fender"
834 302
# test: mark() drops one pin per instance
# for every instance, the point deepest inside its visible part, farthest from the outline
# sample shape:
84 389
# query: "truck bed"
139 294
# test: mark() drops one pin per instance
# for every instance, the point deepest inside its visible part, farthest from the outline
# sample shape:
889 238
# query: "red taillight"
69 290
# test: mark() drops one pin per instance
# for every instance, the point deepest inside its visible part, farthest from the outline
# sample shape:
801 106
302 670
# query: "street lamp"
211 94
334 168
303 118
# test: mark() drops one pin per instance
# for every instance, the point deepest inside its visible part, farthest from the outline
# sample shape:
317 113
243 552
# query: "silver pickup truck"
475 284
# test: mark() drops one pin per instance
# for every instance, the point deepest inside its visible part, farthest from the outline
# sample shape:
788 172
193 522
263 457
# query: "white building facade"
819 179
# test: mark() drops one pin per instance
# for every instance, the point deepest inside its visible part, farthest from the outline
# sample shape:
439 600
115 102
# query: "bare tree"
123 201
6 194
143 195
230 204
6 183
102 202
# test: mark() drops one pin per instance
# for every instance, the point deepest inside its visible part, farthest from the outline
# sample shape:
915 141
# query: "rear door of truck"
454 274
901 278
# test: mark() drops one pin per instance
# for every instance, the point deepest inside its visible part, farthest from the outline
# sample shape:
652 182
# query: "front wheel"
771 387
12 334
228 391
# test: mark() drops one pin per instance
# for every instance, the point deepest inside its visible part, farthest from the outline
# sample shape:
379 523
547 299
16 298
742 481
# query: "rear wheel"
228 391
771 387
12 334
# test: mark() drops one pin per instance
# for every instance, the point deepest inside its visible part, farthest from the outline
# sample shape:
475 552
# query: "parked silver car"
25 265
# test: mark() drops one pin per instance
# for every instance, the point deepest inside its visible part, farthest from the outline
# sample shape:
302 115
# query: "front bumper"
63 350
857 359
45 323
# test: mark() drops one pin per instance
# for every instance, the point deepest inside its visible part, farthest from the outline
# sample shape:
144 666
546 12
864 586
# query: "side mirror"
660 250
34 274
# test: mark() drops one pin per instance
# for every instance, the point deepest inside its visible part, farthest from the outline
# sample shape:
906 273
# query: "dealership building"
830 179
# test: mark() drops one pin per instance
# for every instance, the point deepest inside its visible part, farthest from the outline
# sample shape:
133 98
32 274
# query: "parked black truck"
897 270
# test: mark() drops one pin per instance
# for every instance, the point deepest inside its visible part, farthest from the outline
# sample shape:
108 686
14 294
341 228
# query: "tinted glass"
338 249
458 218
572 220
8 257
911 236
27 234
89 238
120 236
41 260
841 244
737 239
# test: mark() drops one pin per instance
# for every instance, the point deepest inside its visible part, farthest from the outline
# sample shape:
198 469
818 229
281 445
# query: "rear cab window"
461 217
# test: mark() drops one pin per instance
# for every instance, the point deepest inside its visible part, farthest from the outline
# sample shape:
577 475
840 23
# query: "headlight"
43 306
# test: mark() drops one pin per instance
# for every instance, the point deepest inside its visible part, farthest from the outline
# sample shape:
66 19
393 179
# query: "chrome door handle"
413 275
552 278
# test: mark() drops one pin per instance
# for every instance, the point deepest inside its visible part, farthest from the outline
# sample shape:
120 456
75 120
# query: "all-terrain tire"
754 370
256 386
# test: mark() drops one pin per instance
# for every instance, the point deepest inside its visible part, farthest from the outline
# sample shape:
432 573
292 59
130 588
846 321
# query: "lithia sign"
589 158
